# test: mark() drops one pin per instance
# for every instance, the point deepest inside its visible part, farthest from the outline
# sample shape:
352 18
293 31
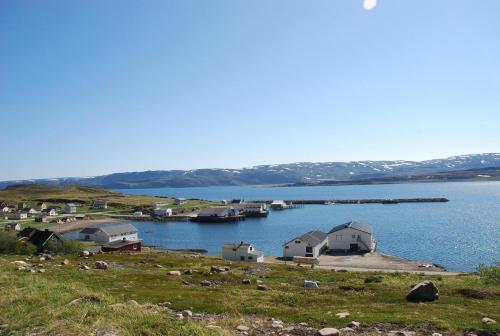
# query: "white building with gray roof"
352 236
310 244
108 234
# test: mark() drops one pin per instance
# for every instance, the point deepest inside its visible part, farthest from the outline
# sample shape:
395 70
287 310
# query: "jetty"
362 201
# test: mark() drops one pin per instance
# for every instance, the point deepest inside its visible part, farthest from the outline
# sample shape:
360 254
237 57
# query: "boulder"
242 327
174 273
65 262
101 265
246 281
179 316
133 303
84 254
85 267
187 313
205 283
188 271
424 291
342 314
216 269
353 324
310 284
328 332
346 330
487 320
20 263
158 266
41 270
262 287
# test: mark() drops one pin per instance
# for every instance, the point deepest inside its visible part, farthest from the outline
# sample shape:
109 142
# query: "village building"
12 227
81 217
279 205
5 209
310 244
137 214
56 208
253 209
40 238
42 219
179 201
218 214
49 212
70 208
40 206
162 212
108 234
30 211
99 204
241 252
18 215
126 246
351 237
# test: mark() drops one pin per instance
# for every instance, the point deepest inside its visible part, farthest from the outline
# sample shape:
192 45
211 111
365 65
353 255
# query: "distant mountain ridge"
309 173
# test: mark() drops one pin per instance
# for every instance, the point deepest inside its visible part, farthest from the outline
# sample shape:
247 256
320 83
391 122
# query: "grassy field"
40 300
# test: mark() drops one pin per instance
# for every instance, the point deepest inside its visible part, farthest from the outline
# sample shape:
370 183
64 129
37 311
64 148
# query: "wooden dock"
363 201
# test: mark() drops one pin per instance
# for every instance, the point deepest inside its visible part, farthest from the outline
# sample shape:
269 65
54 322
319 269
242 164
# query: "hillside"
302 172
137 296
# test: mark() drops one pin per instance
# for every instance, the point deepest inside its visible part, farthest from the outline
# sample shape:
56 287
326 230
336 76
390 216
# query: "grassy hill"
42 302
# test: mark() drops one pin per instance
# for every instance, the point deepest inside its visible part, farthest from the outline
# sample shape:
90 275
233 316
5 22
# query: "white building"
138 214
49 212
352 236
5 209
279 205
180 201
310 244
161 212
241 252
99 204
70 208
108 234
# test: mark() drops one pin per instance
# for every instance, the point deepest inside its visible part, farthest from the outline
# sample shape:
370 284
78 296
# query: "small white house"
5 209
310 244
162 212
99 204
241 252
70 208
352 236
108 234
18 215
138 214
49 212
179 201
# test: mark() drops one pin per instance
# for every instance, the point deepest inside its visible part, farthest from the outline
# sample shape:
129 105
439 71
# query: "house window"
297 242
353 236
338 237
242 258
309 249
250 258
287 246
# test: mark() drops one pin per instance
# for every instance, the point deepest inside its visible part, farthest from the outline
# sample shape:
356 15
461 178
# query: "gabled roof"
353 225
27 232
237 245
312 238
118 229
121 243
71 205
89 230
39 238
221 211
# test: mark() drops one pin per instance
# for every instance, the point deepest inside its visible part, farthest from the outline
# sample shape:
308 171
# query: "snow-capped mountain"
300 172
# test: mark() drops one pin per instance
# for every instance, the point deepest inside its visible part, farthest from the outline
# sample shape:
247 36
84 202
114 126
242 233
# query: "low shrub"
10 244
490 274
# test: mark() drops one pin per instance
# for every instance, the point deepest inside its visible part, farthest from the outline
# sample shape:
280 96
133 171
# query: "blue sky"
93 87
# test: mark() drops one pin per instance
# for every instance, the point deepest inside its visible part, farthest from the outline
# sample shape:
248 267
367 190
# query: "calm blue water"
459 234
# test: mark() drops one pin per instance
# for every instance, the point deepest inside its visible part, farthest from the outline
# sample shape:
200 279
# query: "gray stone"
84 254
133 303
187 313
242 328
174 273
422 292
205 283
188 271
310 284
262 287
246 281
353 324
65 262
487 320
329 332
101 265
346 330
41 270
179 316
342 314
85 267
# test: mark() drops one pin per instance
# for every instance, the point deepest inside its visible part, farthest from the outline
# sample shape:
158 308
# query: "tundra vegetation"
128 298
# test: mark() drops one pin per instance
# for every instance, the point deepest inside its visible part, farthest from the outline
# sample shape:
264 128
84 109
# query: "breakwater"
362 201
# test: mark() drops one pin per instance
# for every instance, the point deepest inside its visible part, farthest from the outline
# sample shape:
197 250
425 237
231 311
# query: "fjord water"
459 234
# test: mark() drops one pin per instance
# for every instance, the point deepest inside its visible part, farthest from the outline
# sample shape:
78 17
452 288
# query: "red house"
124 245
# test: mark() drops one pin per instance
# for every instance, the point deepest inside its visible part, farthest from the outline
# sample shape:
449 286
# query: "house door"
354 247
309 251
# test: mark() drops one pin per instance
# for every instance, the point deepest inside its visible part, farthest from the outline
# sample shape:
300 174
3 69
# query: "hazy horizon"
97 87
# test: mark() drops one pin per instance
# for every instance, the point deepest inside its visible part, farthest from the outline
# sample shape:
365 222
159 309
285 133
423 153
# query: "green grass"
40 299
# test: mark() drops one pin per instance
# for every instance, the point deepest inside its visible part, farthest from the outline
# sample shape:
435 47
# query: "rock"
277 324
188 271
85 267
197 316
487 320
185 283
328 332
215 269
49 257
401 333
353 324
179 316
164 304
41 258
133 303
436 334
174 273
158 266
342 314
246 281
424 291
205 283
310 284
22 268
41 270
20 263
346 330
187 313
65 262
84 254
242 327
262 287
101 265
4 326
